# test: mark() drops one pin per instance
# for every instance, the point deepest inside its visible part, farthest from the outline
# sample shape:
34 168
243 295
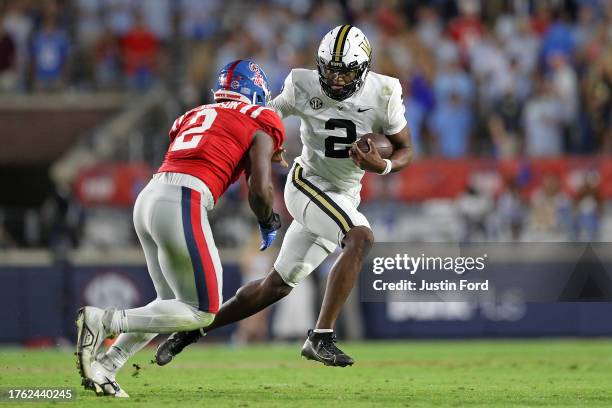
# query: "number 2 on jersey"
209 117
331 141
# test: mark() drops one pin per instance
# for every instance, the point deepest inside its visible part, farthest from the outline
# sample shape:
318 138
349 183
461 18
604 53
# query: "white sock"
126 345
118 322
161 316
323 330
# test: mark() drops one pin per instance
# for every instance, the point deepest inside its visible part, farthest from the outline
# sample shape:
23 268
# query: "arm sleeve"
284 102
396 120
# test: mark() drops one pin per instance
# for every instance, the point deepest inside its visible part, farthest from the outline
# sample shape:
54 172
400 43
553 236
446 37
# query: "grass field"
555 373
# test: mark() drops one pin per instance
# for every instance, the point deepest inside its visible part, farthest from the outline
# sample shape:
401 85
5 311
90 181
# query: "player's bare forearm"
372 161
400 158
261 203
402 149
261 191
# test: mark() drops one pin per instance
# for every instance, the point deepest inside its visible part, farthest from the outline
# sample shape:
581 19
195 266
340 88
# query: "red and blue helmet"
243 80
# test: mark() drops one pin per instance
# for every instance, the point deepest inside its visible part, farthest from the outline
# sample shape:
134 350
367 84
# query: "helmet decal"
253 67
365 46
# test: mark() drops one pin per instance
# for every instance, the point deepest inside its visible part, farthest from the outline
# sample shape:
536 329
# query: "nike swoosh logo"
363 110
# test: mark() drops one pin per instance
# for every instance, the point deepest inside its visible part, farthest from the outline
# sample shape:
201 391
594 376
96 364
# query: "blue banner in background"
38 304
31 303
460 319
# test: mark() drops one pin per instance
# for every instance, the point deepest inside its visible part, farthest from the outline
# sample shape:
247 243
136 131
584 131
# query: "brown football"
383 145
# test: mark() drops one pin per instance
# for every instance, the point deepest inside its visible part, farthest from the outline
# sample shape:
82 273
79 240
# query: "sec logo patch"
316 103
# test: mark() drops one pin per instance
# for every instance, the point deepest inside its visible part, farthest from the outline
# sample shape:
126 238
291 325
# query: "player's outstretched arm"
261 190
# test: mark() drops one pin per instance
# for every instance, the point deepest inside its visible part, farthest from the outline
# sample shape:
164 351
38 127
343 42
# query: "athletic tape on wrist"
388 166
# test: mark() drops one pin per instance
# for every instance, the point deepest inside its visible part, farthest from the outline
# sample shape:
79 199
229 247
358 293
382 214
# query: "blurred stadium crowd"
500 79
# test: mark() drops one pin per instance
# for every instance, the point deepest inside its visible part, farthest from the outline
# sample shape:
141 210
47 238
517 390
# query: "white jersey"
328 127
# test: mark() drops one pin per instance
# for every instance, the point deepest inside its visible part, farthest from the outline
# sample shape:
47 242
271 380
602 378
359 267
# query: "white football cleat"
103 381
91 333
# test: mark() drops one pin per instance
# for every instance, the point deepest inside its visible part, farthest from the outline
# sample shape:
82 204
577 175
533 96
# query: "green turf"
555 373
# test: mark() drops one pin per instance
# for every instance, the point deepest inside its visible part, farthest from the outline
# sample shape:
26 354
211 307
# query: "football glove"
268 230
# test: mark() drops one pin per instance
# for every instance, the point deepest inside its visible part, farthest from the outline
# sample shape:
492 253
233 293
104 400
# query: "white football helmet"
343 61
344 52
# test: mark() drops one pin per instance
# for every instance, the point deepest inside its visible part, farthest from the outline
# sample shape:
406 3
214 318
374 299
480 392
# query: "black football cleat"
322 347
174 344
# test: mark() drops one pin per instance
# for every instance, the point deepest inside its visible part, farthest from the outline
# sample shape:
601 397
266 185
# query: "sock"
126 345
163 316
117 322
323 330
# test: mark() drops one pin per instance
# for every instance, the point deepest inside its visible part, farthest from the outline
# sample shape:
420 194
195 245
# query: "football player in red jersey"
211 147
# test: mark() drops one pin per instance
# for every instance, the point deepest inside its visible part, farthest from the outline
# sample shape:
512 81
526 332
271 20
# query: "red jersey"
210 141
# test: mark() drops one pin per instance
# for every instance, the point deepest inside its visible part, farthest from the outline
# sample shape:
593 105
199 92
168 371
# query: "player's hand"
277 157
268 230
370 161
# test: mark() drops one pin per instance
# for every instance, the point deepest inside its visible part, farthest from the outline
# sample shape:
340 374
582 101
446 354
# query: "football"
383 145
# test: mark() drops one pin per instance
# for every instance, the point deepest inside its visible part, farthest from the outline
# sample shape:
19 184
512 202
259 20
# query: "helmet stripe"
230 73
340 41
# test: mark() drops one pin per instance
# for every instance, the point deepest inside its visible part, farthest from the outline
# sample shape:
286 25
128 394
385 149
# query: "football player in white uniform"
339 102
